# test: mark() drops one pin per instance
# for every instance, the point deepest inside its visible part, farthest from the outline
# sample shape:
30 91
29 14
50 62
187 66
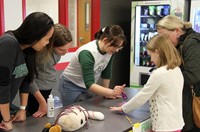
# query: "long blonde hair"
172 22
168 54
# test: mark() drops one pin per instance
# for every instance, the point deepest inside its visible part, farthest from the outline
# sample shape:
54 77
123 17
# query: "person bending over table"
91 62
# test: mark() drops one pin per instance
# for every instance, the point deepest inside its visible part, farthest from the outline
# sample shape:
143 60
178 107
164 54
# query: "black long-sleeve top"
13 68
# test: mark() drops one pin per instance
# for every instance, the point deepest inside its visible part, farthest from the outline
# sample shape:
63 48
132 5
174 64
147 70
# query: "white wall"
13 14
13 11
50 7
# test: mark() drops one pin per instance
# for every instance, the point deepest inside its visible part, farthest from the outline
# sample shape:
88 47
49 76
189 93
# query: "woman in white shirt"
163 89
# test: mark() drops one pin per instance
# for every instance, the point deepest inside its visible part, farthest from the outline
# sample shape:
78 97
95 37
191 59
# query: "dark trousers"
194 129
33 104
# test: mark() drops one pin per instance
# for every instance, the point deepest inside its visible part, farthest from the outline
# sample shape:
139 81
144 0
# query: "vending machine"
195 15
144 16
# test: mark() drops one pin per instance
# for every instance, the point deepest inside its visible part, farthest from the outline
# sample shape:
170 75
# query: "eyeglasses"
116 45
119 47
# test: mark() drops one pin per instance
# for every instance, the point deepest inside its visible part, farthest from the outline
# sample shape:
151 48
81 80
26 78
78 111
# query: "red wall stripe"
95 25
73 49
63 12
61 66
23 9
2 19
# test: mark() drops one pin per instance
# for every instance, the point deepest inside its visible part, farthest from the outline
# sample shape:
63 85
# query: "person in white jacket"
163 88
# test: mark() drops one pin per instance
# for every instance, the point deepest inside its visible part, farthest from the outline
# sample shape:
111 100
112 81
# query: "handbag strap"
192 88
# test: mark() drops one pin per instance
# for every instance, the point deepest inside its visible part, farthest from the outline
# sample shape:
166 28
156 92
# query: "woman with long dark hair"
18 67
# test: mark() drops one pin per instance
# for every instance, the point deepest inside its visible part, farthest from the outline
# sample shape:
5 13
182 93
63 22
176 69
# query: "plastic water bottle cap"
50 96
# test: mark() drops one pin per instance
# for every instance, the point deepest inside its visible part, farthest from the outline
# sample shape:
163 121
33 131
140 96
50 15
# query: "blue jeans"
69 91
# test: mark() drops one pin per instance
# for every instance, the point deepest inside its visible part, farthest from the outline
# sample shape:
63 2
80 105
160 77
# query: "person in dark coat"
187 41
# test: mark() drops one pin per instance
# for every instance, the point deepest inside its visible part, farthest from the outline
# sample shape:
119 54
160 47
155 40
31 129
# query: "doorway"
84 22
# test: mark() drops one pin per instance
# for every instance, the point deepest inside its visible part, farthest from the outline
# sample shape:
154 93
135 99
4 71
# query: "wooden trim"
23 9
2 19
95 25
63 12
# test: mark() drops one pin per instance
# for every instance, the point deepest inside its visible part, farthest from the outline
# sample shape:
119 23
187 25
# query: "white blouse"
164 92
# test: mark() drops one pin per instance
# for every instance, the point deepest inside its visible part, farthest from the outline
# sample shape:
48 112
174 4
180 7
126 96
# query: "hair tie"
103 29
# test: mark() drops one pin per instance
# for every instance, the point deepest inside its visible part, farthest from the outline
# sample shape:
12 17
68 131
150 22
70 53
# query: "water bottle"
50 105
